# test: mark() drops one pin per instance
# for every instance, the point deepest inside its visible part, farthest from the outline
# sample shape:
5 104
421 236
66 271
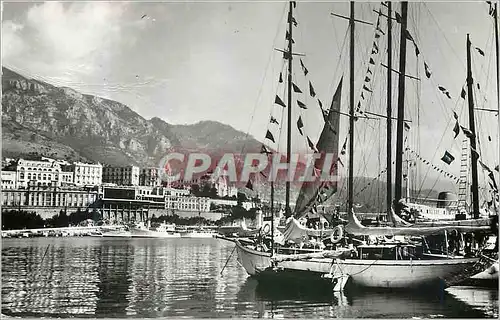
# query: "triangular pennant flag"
320 104
367 89
398 17
406 125
304 69
269 136
311 145
311 90
359 106
249 185
300 125
281 78
497 168
372 61
369 71
428 72
447 158
481 52
456 129
344 147
408 36
455 115
447 94
367 79
294 4
301 105
443 89
467 132
273 120
377 35
463 94
295 88
417 50
489 138
478 87
277 100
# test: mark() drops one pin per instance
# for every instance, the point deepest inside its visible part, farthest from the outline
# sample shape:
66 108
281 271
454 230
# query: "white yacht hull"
366 273
116 234
139 233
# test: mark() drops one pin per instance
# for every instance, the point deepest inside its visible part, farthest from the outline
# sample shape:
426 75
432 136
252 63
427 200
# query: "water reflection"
100 277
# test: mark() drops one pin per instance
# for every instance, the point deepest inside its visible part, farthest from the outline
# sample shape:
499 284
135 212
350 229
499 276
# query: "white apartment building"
87 174
125 176
38 173
187 203
9 180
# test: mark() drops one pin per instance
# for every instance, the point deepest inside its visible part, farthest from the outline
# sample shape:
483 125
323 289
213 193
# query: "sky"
186 62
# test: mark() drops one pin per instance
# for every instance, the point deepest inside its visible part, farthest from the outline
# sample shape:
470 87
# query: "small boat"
162 231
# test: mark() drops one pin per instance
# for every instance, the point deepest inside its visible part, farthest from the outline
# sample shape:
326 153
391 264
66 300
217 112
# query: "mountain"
59 122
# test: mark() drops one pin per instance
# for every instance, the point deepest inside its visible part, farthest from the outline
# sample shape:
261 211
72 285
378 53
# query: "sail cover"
315 192
355 227
296 232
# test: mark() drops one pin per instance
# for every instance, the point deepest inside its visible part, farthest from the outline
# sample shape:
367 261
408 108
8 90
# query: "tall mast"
401 104
389 111
472 128
351 112
289 128
498 85
272 218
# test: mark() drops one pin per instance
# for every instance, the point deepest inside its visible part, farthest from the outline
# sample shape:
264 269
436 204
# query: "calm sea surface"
100 277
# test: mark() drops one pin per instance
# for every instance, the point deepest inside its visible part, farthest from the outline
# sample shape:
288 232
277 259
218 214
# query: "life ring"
337 234
266 229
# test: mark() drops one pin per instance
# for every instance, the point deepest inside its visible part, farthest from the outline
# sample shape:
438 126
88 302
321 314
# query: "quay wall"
214 216
45 212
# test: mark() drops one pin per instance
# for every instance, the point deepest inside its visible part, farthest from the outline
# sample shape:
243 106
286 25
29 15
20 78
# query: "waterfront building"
37 172
149 177
124 176
49 196
199 204
87 174
9 180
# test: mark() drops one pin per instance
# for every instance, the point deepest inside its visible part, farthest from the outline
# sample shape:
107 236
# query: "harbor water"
105 277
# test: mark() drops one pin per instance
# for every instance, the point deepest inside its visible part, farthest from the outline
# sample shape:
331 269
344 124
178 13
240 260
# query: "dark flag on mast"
463 93
447 158
301 105
273 120
300 125
311 90
295 88
456 129
269 136
278 100
428 72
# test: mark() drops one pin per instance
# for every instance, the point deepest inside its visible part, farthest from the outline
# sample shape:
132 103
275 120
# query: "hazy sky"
191 61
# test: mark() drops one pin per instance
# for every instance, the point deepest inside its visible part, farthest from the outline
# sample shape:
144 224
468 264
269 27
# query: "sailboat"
387 264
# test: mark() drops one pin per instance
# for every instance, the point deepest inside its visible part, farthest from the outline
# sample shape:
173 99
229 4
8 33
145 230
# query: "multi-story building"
125 176
149 177
38 173
200 204
45 196
9 180
87 174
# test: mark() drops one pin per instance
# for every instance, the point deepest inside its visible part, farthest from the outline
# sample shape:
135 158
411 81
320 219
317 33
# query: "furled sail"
355 227
315 192
296 232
